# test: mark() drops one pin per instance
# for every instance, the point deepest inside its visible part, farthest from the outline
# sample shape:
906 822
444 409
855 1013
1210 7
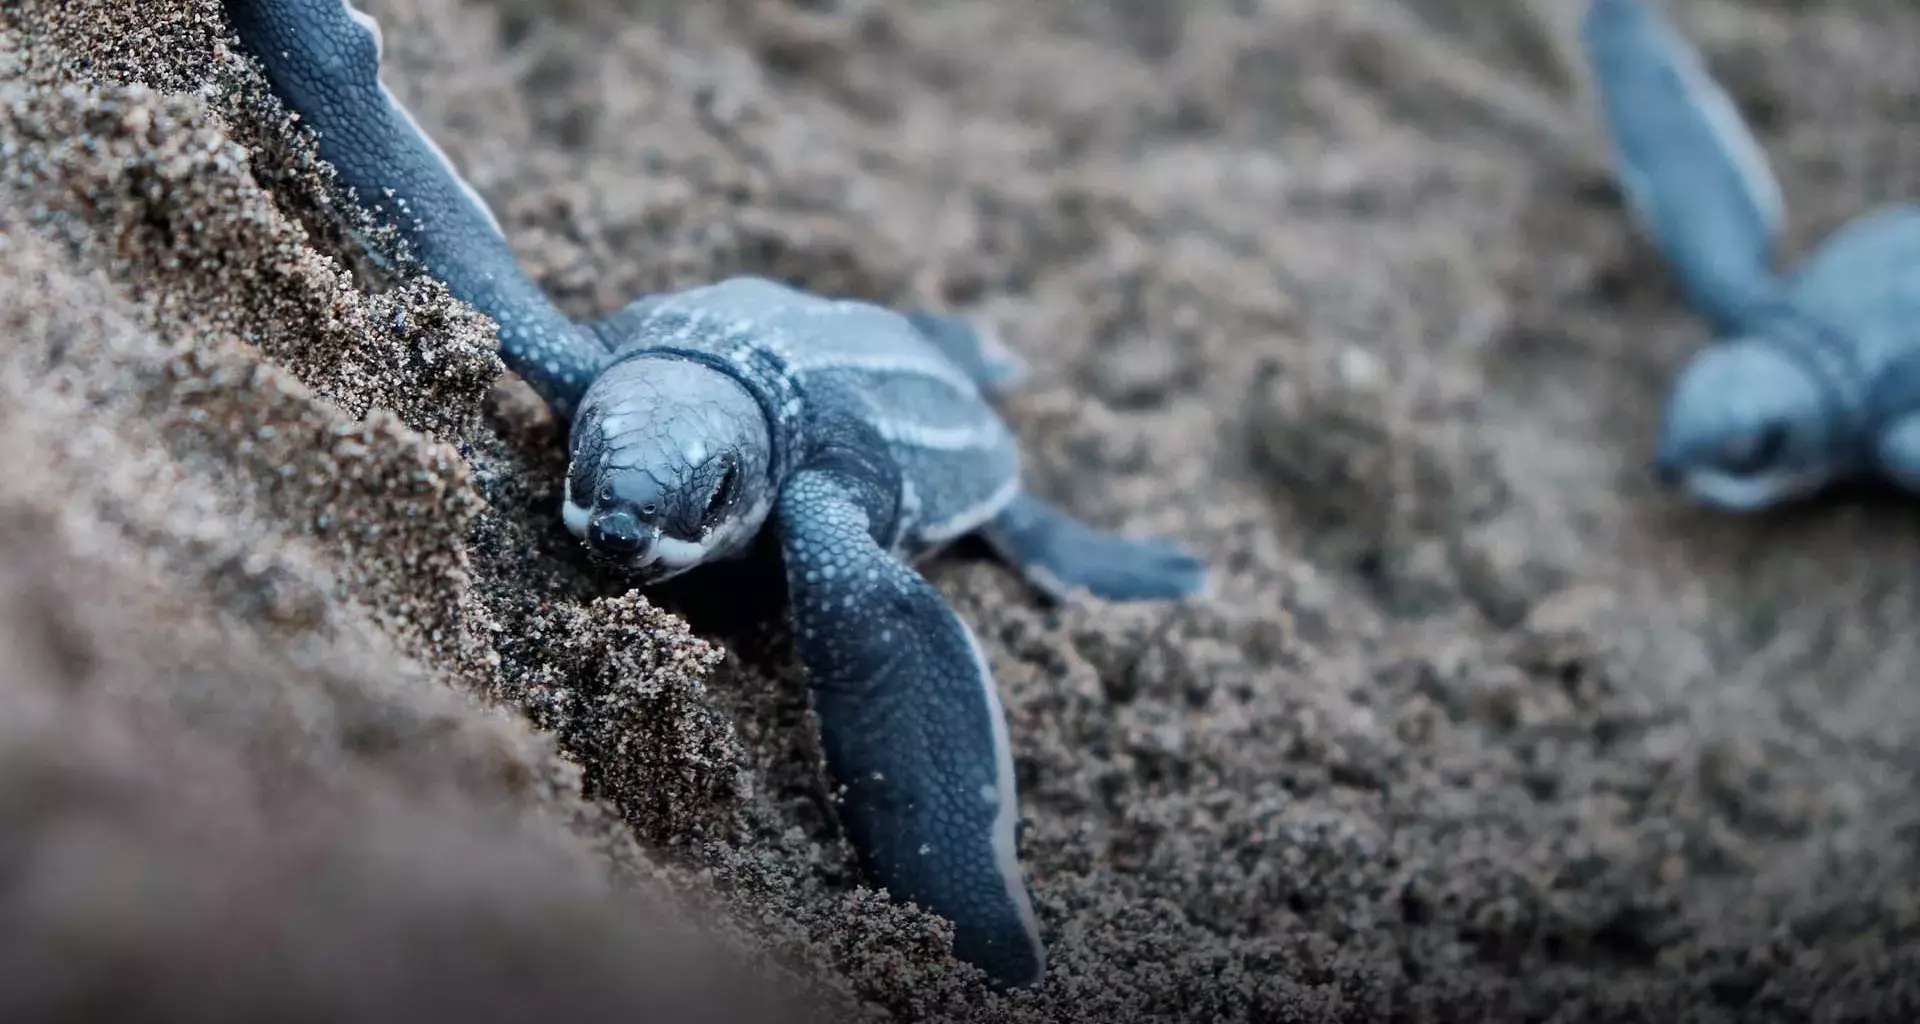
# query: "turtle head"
1746 428
669 466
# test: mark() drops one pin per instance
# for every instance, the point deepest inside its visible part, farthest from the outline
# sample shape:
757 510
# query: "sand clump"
315 709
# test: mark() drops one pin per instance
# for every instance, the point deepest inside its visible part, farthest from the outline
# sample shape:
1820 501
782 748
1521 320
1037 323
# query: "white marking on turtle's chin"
671 556
1006 852
678 555
573 515
1749 493
668 557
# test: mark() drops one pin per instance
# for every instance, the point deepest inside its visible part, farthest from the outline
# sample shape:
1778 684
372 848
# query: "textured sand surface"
311 710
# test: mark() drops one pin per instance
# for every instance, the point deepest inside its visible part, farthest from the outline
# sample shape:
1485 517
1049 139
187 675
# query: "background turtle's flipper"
911 727
1061 556
322 58
1687 161
977 351
1866 275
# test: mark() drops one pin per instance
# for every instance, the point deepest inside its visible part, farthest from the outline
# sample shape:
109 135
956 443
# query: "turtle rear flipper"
1866 275
911 727
1062 556
974 348
1687 162
322 58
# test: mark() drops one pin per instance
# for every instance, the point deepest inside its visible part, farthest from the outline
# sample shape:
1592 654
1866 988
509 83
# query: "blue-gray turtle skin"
1814 375
863 437
819 367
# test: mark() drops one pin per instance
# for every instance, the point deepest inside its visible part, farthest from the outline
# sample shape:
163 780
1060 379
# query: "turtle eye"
723 495
1757 451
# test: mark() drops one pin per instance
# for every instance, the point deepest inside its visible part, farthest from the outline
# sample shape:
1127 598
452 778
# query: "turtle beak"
618 533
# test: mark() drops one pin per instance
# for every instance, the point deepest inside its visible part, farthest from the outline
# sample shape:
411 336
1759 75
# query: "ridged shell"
959 462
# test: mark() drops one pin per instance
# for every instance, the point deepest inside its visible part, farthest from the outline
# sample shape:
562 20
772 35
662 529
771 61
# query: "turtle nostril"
618 533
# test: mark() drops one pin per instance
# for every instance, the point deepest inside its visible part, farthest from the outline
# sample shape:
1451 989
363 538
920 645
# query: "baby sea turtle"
862 436
1814 377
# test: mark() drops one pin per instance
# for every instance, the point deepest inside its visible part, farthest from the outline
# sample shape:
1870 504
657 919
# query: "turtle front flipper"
322 58
911 727
1688 163
1062 556
1863 275
975 349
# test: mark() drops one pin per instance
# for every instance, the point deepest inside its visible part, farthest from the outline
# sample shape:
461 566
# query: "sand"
313 711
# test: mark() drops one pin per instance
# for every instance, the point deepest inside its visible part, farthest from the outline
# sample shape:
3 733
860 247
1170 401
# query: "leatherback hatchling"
1814 378
861 436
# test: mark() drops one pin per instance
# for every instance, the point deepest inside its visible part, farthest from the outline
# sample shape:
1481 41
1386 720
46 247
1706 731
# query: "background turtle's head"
669 466
1747 427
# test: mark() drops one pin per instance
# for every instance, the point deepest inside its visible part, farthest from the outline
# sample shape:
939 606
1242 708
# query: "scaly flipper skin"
910 724
322 58
1063 557
701 417
976 350
1689 165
